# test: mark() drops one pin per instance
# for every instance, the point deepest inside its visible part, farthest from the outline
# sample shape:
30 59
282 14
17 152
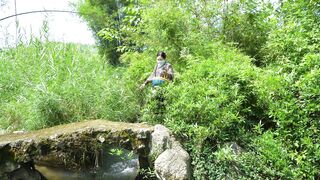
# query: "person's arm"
149 79
170 73
152 75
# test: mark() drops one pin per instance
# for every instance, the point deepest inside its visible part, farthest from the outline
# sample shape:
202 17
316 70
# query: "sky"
63 27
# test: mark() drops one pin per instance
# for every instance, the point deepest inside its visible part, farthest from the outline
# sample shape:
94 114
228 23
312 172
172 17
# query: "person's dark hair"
162 54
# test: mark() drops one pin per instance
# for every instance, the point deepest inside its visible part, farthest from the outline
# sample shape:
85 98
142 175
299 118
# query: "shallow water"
116 164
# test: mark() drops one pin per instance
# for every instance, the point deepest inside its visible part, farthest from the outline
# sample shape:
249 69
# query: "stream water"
116 164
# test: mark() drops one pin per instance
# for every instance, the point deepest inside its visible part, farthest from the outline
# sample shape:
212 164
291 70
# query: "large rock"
173 163
160 140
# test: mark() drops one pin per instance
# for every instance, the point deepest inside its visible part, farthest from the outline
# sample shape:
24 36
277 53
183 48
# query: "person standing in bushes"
162 72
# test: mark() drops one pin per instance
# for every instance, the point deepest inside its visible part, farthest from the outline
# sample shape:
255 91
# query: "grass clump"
46 84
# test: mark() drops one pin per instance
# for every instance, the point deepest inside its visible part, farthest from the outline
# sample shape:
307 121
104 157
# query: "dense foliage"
107 16
247 73
45 84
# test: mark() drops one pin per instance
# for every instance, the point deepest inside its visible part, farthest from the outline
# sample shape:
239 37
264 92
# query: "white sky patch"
63 27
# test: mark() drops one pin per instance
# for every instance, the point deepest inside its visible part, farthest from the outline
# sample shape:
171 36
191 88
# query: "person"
162 72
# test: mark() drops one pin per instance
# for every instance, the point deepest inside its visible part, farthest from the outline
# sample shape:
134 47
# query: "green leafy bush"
247 25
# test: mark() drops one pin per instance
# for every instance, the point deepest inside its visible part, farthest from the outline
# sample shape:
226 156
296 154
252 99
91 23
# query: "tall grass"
45 84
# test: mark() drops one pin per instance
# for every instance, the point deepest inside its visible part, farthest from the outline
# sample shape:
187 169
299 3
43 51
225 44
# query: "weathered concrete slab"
76 146
93 125
82 146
